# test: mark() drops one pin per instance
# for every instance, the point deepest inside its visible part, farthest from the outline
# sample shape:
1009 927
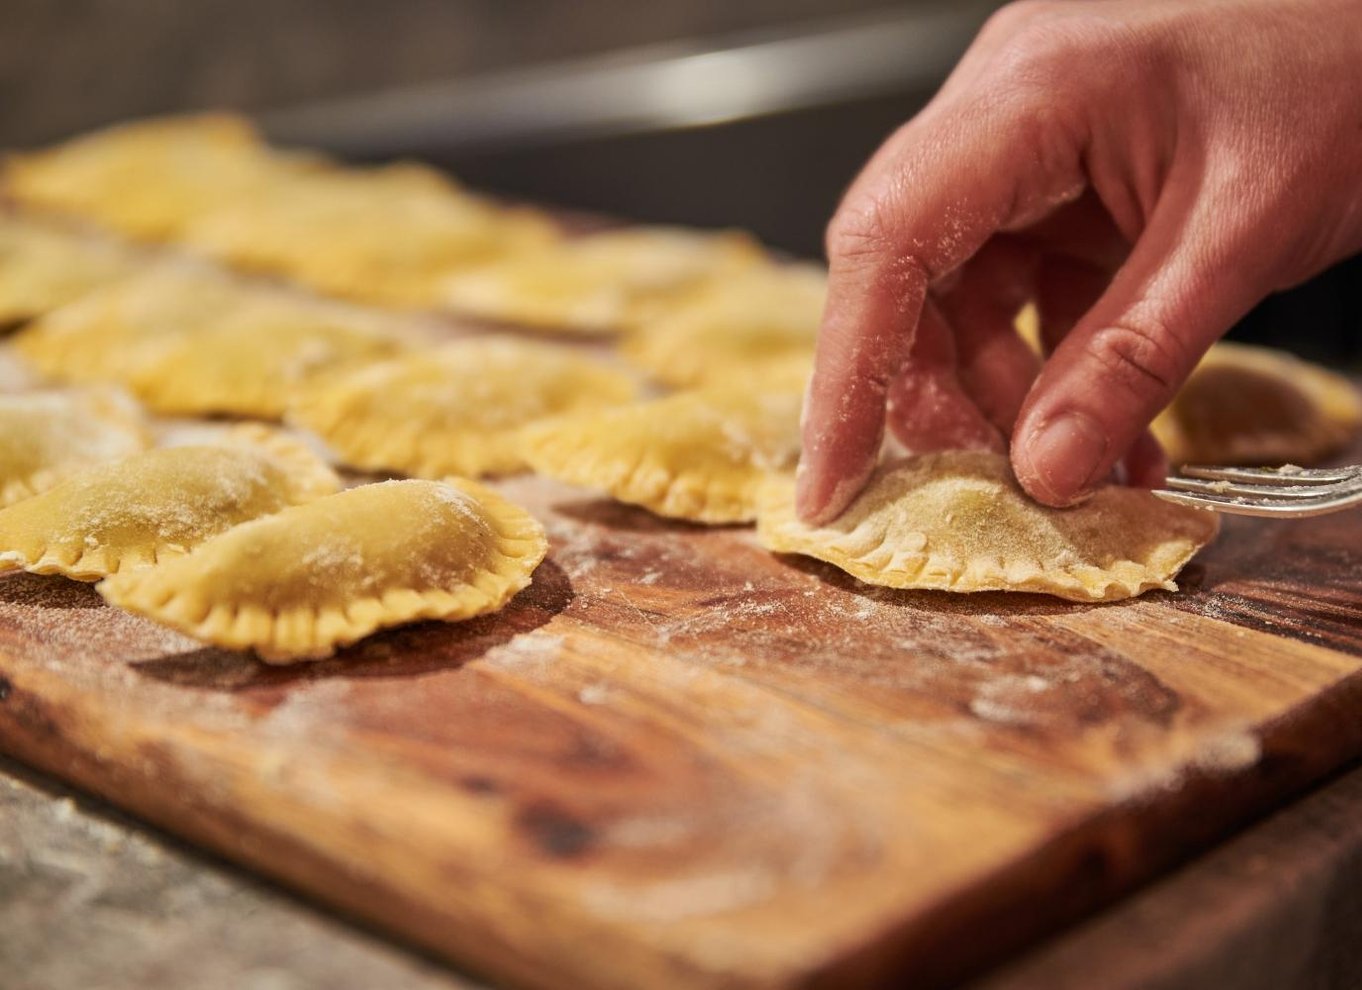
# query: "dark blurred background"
751 113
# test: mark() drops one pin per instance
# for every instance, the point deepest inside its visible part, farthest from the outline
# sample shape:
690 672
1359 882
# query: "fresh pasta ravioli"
386 235
43 267
601 282
741 328
455 409
958 521
148 179
1255 405
299 584
158 504
188 341
699 455
47 435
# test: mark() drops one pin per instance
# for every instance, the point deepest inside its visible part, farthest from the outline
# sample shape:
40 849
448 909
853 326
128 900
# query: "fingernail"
1064 456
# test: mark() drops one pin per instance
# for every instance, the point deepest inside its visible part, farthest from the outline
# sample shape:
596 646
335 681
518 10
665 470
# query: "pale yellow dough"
456 409
1256 405
700 456
158 504
46 436
189 341
758 323
958 521
148 179
599 283
387 235
299 584
44 266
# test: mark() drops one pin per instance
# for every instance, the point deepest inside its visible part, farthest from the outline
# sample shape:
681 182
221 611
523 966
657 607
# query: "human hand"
1145 171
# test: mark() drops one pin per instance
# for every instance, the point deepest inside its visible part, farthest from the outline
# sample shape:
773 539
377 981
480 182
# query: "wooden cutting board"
679 761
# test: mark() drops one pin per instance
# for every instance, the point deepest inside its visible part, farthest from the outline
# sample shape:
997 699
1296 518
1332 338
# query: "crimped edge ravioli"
306 477
166 594
856 542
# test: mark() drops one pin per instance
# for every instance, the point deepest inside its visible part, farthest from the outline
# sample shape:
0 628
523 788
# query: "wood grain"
679 761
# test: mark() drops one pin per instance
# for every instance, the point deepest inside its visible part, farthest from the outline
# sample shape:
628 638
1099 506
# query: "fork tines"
1287 491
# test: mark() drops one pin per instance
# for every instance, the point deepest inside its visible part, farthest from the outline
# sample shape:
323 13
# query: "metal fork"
1287 492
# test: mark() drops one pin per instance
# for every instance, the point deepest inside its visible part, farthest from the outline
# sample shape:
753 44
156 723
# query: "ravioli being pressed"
148 179
158 504
43 267
299 584
598 283
1256 405
45 436
736 329
695 455
958 521
456 409
386 235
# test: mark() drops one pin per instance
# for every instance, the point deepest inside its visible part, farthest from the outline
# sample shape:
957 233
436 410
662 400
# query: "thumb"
1185 283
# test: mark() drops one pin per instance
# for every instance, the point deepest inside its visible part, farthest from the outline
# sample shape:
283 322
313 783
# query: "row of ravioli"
711 316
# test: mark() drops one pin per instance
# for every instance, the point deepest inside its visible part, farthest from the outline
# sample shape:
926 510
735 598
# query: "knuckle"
1008 20
1143 358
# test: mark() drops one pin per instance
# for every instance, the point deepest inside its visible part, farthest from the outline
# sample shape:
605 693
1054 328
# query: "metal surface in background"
652 89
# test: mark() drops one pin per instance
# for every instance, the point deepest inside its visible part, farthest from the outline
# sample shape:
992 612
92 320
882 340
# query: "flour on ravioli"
958 521
455 409
47 435
698 455
158 504
299 584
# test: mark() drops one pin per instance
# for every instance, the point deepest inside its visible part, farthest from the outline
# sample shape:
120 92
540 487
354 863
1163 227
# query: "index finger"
929 199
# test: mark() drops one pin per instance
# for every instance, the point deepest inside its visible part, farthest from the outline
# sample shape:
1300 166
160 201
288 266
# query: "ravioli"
386 235
299 584
958 521
456 409
699 455
598 283
736 329
45 436
43 267
250 367
196 342
158 504
1256 405
108 335
147 179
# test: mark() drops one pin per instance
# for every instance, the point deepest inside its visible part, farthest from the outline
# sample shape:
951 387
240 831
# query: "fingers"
1184 284
928 201
928 409
995 366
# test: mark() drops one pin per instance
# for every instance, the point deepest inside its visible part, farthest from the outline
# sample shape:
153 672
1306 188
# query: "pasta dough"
457 409
43 267
736 329
190 341
601 282
301 583
958 521
45 436
1255 405
695 455
158 504
386 235
148 179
